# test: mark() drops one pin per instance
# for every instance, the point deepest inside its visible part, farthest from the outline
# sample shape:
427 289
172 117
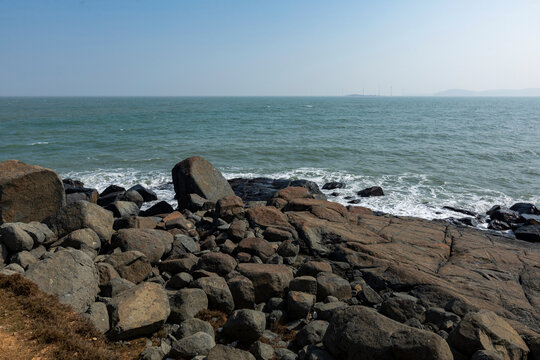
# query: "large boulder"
245 325
224 352
484 330
131 265
217 291
186 303
152 243
28 192
138 311
70 274
268 280
361 332
196 175
79 215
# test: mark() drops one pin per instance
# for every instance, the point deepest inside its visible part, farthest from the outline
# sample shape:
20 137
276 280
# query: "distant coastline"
533 92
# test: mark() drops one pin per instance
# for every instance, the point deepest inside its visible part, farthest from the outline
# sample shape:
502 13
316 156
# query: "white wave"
39 143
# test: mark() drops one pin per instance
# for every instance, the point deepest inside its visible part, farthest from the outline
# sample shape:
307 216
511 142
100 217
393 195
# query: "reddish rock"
28 192
268 280
217 262
256 246
230 207
265 216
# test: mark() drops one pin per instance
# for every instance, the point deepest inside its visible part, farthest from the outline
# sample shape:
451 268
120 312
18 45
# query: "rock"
197 344
218 293
223 352
98 315
116 286
146 194
122 209
262 189
196 175
312 333
288 248
242 291
245 325
237 230
256 246
299 304
372 191
365 294
15 238
193 326
12 269
106 273
525 208
180 281
23 258
506 215
216 262
333 185
186 303
317 353
69 274
261 351
131 265
82 238
402 307
80 215
265 216
268 280
159 208
486 355
359 330
498 225
81 193
138 311
441 318
152 243
134 222
329 284
28 192
229 208
325 311
529 233
307 284
133 197
313 268
484 330
183 244
3 254
285 354
175 266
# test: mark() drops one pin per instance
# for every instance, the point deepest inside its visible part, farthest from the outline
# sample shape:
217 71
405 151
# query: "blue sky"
266 47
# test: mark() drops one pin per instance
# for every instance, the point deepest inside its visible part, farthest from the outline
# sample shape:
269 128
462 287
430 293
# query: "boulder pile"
292 276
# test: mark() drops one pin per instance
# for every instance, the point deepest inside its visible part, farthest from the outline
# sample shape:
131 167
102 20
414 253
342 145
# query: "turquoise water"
425 152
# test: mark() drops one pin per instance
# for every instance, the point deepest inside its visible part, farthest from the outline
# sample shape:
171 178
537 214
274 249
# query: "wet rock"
525 208
361 330
218 293
197 344
216 262
333 185
222 352
186 303
80 215
69 274
268 280
529 233
196 175
28 192
147 194
372 191
505 215
131 265
484 330
245 325
159 208
152 243
138 311
262 189
312 333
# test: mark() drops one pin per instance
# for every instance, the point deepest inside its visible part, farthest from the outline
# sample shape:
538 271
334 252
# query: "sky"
266 48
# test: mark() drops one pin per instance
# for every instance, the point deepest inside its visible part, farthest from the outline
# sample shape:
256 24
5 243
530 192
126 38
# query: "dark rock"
361 330
193 326
186 303
262 351
285 354
257 247
499 225
132 196
216 262
365 294
329 284
237 230
529 233
307 284
333 185
28 192
116 286
288 248
402 307
223 352
268 280
525 208
313 268
325 311
23 258
505 215
199 343
299 304
262 189
484 330
147 194
245 325
175 266
138 311
229 208
69 274
183 244
159 208
218 293
277 234
195 175
444 320
242 291
312 333
486 355
81 193
180 281
354 201
461 211
111 189
15 238
372 191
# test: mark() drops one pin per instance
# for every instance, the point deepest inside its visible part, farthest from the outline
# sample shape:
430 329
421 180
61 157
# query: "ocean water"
425 152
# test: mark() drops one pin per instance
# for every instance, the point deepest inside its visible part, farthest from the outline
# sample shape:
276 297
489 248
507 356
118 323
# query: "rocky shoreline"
269 269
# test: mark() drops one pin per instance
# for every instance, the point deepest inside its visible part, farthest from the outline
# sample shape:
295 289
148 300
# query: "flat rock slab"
28 192
268 280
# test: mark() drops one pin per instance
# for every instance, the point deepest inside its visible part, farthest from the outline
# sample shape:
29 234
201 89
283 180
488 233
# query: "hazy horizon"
242 48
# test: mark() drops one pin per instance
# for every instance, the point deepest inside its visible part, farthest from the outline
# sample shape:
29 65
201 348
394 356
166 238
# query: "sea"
425 152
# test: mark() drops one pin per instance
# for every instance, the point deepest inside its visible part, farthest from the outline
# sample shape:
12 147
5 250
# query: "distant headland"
498 92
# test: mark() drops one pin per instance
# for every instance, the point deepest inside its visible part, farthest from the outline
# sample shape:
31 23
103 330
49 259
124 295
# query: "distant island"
499 92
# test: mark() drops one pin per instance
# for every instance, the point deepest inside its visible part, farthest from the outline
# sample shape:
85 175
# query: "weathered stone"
486 355
217 291
146 194
3 254
186 303
216 262
361 331
242 291
28 192
313 268
199 343
312 333
80 215
402 307
372 191
133 197
24 258
99 316
106 273
528 233
179 281
230 207
256 246
15 238
81 238
237 230
131 265
116 286
223 352
325 311
138 311
484 330
288 248
69 274
307 284
329 284
261 351
159 208
299 304
196 175
174 266
122 209
245 325
265 216
193 326
268 280
152 243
